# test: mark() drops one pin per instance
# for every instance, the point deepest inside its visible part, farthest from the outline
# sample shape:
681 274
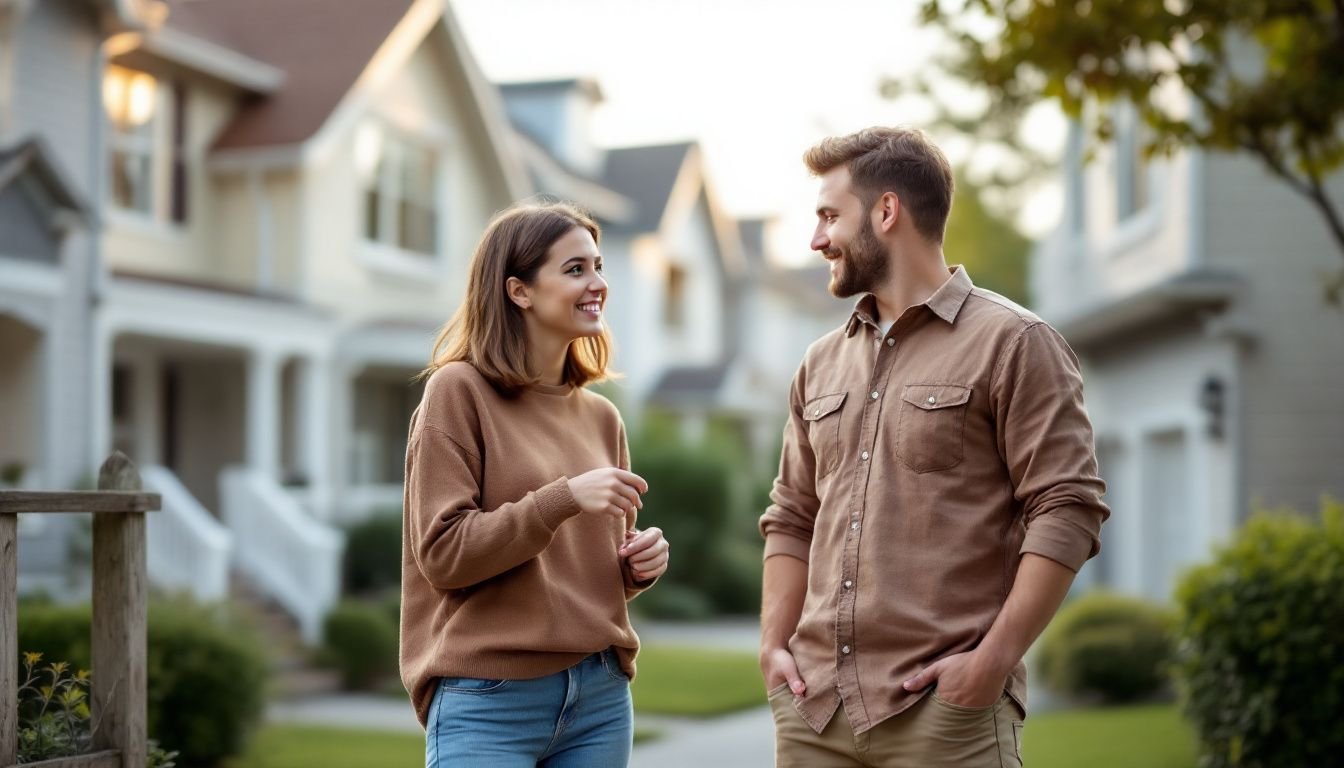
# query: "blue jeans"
579 718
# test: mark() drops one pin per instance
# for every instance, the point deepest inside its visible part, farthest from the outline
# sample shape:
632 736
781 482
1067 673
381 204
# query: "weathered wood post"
119 614
119 621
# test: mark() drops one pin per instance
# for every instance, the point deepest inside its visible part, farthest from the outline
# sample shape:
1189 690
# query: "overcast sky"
755 81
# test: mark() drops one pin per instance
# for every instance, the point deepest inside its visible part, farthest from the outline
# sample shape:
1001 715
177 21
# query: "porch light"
128 96
1212 400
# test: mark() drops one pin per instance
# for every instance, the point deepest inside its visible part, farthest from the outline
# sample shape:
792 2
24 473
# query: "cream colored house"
293 192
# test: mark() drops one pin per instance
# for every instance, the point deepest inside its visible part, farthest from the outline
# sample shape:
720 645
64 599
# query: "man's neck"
913 279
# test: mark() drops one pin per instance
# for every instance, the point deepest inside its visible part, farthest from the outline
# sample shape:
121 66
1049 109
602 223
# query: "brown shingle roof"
322 45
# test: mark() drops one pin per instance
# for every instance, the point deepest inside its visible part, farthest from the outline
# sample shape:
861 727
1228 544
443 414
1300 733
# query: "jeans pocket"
612 664
471 685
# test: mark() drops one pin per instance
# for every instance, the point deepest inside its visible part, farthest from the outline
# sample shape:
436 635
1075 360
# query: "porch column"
147 409
314 432
263 412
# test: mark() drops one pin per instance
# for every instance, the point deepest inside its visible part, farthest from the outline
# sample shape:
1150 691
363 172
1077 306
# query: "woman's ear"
518 293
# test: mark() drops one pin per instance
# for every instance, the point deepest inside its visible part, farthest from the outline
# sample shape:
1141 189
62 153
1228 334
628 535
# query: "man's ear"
518 293
888 212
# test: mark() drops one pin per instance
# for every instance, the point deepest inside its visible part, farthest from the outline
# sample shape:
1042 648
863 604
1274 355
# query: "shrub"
1261 661
206 674
372 561
673 601
1107 648
360 642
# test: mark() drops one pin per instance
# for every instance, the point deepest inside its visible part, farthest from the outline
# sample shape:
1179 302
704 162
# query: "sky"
755 81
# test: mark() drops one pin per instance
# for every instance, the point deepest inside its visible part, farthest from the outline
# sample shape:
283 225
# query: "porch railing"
188 548
293 558
119 609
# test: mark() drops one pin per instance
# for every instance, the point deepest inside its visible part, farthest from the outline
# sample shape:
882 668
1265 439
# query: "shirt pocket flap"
823 406
931 397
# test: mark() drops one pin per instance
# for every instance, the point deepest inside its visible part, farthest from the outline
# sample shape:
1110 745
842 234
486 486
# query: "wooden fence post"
9 639
119 621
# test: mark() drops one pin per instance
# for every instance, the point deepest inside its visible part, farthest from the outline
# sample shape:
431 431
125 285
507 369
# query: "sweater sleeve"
455 542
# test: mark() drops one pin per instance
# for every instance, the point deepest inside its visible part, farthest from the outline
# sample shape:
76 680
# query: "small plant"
54 715
11 473
53 710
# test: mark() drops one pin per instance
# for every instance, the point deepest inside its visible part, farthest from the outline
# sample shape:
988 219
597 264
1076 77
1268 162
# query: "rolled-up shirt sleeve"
788 522
1046 441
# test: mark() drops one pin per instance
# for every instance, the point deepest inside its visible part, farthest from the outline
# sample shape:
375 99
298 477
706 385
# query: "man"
937 491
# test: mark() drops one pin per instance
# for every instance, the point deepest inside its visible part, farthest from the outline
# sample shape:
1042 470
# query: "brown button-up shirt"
917 468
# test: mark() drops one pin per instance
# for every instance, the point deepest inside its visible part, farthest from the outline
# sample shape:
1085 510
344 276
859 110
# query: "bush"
360 642
1261 661
372 561
206 674
1107 648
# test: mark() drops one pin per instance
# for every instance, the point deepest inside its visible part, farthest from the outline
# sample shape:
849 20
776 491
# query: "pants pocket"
471 685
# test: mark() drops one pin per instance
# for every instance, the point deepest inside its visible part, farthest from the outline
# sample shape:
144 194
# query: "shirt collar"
946 302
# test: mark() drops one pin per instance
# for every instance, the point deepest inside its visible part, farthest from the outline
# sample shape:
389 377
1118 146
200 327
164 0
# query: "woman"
519 550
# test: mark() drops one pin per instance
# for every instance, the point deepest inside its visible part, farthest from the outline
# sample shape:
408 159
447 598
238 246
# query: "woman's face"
569 293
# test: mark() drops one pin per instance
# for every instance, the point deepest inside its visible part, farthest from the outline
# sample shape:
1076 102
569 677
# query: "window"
401 193
1132 177
674 300
131 100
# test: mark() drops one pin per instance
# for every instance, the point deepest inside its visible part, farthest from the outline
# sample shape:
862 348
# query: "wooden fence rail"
119 604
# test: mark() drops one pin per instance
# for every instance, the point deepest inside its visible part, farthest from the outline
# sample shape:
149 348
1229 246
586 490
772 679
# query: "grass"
1113 737
694 682
296 746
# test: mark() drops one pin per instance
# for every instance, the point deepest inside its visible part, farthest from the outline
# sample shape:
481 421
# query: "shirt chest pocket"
930 434
822 415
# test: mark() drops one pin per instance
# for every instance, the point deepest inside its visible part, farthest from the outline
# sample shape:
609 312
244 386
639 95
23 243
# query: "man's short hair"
900 160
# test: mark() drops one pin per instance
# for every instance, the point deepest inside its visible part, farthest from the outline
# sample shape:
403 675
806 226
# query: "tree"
1287 111
993 251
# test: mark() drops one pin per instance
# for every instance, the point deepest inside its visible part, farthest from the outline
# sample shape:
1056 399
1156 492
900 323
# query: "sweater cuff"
1060 540
555 504
784 544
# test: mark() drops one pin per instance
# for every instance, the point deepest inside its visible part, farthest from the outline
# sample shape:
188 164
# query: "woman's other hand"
647 553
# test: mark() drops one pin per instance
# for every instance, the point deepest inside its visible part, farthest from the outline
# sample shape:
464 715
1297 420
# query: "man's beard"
863 267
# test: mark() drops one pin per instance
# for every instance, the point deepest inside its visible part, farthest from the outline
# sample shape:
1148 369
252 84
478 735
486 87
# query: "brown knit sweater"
502 576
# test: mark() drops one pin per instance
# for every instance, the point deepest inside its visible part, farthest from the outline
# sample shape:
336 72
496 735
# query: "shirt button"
844 649
864 455
854 525
817 412
848 583
891 342
874 394
932 399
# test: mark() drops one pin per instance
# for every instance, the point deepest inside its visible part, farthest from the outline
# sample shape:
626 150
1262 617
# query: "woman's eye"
577 269
598 266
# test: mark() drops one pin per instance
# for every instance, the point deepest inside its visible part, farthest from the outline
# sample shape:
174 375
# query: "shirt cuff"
1061 540
784 544
555 504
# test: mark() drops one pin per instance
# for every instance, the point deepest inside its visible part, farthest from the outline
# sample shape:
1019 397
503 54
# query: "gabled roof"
646 175
32 157
322 46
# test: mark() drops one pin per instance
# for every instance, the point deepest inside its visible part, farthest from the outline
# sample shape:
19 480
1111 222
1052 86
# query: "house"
51 175
1191 289
292 192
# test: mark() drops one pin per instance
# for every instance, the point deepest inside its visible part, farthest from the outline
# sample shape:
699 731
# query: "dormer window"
401 181
131 99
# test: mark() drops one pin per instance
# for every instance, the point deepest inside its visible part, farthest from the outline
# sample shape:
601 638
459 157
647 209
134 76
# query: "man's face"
844 237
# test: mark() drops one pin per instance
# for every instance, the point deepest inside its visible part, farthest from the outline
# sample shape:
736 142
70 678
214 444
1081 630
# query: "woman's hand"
609 491
646 551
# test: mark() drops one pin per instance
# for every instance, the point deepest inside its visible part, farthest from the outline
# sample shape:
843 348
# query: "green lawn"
293 746
695 682
1115 737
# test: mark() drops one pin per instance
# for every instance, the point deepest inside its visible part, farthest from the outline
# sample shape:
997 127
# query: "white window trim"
391 259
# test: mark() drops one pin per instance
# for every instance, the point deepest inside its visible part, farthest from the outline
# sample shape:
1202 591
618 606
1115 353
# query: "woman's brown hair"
488 329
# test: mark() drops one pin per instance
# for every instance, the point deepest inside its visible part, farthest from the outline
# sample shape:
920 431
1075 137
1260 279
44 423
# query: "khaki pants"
930 734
